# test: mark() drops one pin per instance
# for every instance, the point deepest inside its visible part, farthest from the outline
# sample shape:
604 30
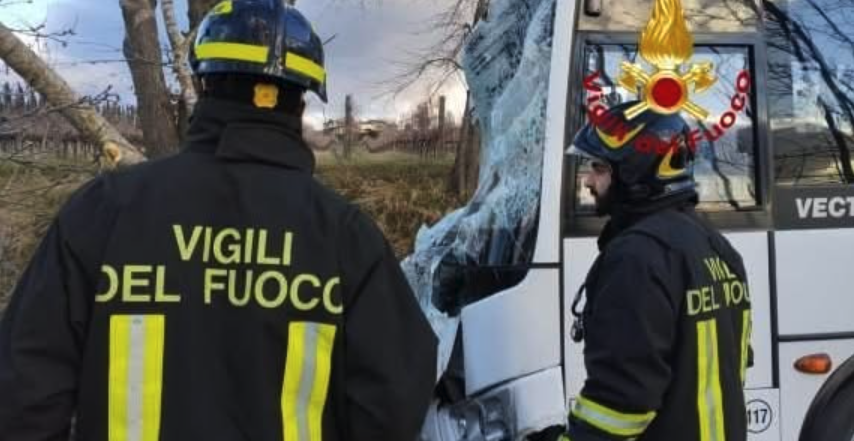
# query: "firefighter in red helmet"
666 322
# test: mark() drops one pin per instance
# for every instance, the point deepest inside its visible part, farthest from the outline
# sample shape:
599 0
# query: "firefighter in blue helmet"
222 293
666 322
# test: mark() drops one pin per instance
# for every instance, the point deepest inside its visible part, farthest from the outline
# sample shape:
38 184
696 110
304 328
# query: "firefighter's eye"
600 167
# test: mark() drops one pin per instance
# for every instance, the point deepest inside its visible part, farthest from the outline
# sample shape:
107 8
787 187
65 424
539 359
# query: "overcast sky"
371 38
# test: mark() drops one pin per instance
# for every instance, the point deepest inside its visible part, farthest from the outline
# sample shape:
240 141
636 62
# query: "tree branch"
116 149
439 61
179 51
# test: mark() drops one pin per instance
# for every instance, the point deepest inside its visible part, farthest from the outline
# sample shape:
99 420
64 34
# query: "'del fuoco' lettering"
272 289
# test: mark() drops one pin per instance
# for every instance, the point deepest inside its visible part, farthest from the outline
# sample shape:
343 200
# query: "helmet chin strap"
676 187
625 199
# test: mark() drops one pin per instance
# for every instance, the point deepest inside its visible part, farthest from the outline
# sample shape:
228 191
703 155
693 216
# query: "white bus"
778 182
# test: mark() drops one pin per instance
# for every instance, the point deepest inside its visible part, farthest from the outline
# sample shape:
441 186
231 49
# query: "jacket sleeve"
390 346
42 334
629 334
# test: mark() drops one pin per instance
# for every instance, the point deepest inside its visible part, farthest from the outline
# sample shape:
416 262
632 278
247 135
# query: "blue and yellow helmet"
649 155
261 37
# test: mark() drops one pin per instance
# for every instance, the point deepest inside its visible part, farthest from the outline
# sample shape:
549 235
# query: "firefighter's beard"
604 202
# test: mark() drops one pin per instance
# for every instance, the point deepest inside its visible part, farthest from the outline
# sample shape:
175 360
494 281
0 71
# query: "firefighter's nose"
589 182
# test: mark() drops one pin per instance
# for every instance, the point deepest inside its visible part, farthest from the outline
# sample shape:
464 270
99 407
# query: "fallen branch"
117 150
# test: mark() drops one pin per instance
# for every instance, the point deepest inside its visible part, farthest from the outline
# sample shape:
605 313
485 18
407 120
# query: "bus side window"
811 90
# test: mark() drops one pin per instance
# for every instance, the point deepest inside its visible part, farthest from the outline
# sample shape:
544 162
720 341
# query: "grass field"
30 195
399 191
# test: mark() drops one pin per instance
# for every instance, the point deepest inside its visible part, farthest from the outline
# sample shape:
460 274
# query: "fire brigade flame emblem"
667 44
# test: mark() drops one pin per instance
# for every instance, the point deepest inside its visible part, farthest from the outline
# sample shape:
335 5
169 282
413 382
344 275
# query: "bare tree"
26 63
439 63
142 49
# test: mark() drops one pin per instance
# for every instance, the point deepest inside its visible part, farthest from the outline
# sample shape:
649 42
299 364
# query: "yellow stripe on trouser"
746 331
306 383
610 420
709 397
136 377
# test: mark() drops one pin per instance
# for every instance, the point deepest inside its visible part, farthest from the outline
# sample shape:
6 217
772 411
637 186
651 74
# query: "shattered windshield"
487 246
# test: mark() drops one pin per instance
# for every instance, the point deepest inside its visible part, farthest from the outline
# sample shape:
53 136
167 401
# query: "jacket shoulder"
680 232
668 228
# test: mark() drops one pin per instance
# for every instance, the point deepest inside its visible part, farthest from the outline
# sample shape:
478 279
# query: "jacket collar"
239 132
624 217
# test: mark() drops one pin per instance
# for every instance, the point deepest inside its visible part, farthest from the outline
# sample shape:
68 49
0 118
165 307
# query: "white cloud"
20 13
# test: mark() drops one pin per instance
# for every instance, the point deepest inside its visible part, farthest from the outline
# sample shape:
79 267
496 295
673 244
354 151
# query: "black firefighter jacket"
667 329
220 294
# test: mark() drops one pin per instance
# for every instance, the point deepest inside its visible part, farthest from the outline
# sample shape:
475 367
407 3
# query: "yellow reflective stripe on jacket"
305 66
135 377
610 420
746 331
232 51
306 383
709 397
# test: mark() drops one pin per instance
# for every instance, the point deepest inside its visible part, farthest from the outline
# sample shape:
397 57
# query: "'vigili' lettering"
231 246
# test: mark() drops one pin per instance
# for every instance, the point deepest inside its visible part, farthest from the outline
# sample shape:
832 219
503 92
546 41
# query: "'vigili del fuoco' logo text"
666 44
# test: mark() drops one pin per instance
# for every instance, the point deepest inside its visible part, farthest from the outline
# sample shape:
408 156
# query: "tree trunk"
456 180
472 169
142 50
349 123
179 55
116 149
464 176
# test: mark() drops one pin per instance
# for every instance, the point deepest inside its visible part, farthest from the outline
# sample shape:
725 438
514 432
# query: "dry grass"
30 196
399 195
399 191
